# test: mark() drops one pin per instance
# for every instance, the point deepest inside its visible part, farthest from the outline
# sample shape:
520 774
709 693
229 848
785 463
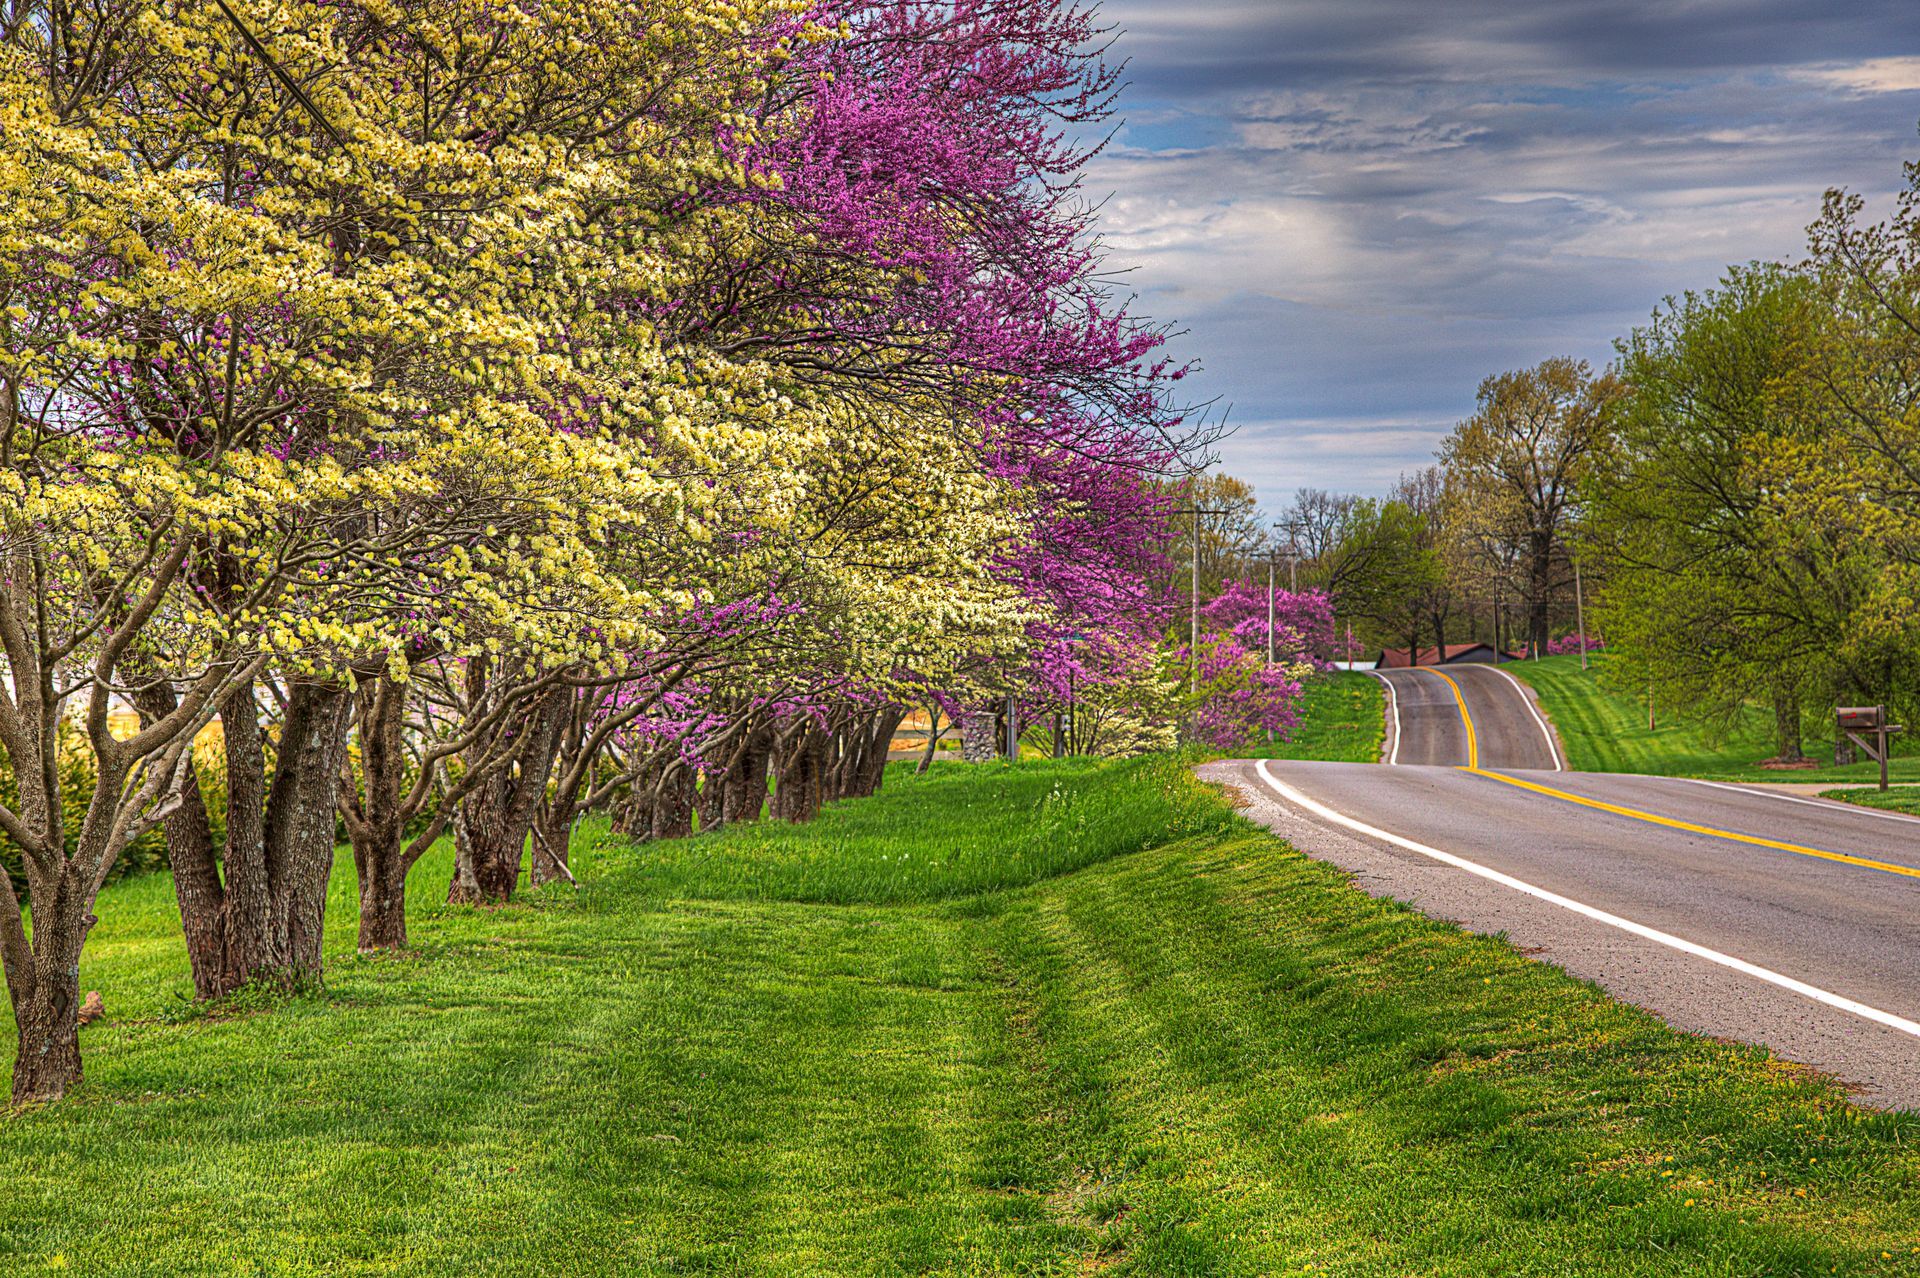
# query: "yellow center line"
1688 826
1473 742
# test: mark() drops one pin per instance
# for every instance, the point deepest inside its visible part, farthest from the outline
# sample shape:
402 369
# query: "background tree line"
1738 495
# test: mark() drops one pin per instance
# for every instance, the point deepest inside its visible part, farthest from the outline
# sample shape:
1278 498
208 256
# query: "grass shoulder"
958 830
1899 798
1605 729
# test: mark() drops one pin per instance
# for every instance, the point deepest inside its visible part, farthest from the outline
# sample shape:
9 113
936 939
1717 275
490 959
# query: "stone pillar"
980 734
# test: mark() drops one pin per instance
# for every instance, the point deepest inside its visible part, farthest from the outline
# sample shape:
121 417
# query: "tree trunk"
301 819
633 815
1786 725
933 738
871 769
673 802
487 855
1539 590
800 767
383 903
746 788
47 1061
709 800
551 835
376 825
1437 619
845 759
573 777
492 824
254 911
217 969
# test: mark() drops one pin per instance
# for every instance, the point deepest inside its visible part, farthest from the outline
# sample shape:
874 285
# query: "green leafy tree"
1515 467
1713 597
1393 570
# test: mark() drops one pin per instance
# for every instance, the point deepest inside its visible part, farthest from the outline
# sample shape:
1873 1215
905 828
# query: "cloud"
1339 454
1359 208
1233 45
1875 75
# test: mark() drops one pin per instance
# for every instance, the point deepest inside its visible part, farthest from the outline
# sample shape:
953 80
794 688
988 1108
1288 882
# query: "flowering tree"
1235 696
490 413
1575 642
1302 622
283 417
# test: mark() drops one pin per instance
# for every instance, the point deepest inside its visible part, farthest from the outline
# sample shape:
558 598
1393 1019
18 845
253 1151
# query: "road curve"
1429 710
1740 913
1709 931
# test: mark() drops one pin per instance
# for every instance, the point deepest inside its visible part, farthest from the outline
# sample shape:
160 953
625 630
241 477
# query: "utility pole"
1269 609
1193 598
1073 715
1193 603
1580 613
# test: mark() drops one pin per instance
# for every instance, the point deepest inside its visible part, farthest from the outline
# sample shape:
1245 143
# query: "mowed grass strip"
1342 720
1604 729
957 831
1197 1055
1899 798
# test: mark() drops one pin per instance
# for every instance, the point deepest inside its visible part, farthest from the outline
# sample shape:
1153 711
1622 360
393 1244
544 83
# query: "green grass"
1342 720
1604 730
1175 1054
1899 798
1000 827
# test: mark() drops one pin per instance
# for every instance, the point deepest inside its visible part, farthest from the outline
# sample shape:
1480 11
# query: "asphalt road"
1736 912
1426 722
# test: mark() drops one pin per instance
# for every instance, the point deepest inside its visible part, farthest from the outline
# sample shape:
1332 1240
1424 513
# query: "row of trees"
1758 509
491 414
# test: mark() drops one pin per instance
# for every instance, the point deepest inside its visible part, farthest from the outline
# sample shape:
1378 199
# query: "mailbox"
1878 741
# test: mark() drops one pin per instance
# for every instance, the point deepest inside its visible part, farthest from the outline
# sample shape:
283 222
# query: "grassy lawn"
1070 1018
1606 731
1342 720
1899 798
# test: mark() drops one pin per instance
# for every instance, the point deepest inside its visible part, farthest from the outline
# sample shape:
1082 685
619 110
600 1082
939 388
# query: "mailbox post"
1872 721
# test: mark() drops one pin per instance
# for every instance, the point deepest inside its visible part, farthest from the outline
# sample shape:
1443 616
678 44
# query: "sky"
1355 210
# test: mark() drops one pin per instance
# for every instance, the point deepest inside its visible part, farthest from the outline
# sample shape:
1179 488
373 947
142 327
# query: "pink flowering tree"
1302 622
1574 643
916 230
1235 696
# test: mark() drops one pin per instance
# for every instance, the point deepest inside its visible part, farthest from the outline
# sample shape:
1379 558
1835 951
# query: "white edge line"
1393 701
1667 939
1533 708
1829 804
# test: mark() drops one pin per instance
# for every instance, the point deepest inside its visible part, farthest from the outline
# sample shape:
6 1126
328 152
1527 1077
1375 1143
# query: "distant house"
1453 654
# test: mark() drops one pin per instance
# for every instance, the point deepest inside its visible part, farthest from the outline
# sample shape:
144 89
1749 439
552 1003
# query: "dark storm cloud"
1358 208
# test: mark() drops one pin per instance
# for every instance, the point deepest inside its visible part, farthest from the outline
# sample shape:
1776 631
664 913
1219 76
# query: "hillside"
1605 730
